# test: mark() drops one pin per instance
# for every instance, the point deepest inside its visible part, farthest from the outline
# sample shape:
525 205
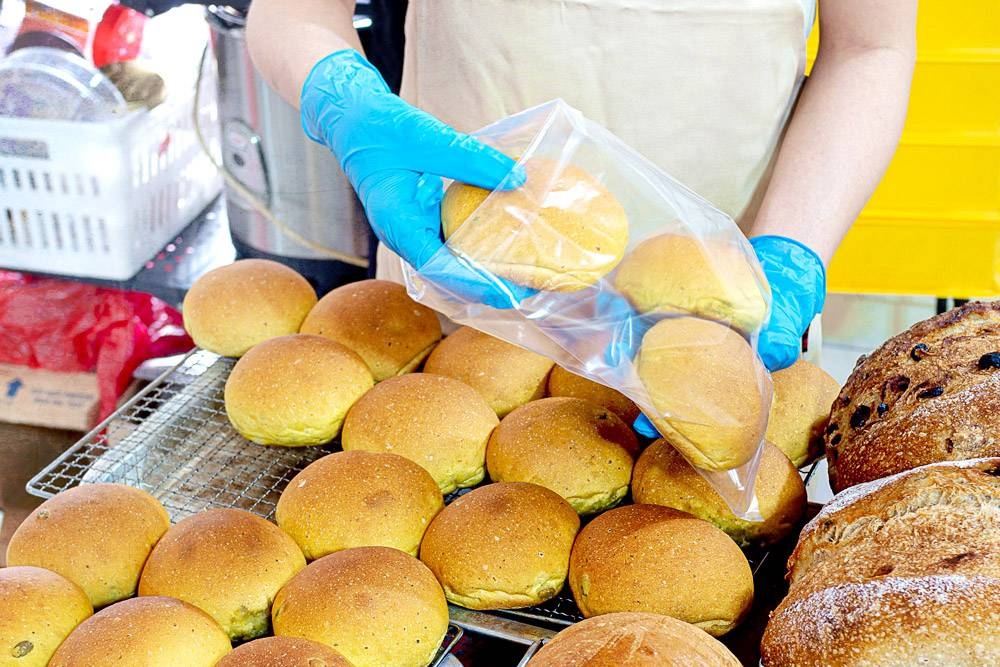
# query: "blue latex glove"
394 155
798 290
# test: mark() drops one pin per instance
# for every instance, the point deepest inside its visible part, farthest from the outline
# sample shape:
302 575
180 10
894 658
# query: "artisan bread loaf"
800 410
234 307
294 391
378 320
503 545
562 230
505 375
565 383
660 560
706 385
38 609
358 499
574 447
932 393
633 639
145 632
96 535
946 620
375 605
227 562
680 274
439 423
904 570
283 652
663 477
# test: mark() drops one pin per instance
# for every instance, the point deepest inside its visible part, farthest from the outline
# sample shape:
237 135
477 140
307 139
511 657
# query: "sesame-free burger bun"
38 609
504 374
566 383
295 390
562 230
503 545
657 559
439 423
663 477
358 499
283 652
96 535
376 605
227 562
232 308
707 387
378 320
145 632
803 396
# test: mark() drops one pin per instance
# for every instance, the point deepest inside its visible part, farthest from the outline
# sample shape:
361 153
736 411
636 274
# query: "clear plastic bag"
634 282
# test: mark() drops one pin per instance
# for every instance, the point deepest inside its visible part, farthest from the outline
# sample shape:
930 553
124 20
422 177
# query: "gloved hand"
394 155
798 290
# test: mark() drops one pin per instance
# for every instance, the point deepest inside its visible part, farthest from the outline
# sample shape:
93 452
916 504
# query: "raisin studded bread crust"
930 394
900 571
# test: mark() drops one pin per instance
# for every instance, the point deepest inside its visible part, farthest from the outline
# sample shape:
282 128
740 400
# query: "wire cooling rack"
173 439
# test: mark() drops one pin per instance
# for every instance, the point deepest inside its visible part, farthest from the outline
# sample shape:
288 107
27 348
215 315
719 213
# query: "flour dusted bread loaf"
96 535
378 320
562 230
234 307
677 274
900 571
633 639
932 393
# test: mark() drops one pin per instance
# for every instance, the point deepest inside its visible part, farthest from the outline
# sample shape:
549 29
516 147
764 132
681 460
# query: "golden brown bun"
706 378
503 545
229 563
562 230
945 620
378 320
930 394
232 308
803 394
376 605
505 375
283 652
564 383
295 390
144 632
663 477
358 499
657 559
574 447
96 535
633 639
439 423
674 274
38 609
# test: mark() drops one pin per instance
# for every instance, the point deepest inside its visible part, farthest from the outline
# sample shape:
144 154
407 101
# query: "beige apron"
703 88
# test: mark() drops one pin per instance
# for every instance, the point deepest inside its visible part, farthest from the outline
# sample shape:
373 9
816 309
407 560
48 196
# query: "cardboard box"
48 398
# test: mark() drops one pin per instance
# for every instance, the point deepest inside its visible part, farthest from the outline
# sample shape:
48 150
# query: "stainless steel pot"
299 181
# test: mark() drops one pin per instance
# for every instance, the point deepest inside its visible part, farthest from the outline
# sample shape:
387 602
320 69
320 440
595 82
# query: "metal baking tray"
173 439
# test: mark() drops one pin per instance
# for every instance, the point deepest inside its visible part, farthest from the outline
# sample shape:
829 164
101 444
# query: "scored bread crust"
930 394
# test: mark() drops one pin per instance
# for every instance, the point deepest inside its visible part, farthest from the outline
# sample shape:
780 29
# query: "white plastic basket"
99 199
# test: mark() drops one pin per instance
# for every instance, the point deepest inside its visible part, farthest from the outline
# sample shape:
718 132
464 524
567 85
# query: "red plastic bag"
60 325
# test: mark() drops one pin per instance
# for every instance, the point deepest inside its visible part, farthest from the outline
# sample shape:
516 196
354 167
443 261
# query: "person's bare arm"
286 39
847 123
